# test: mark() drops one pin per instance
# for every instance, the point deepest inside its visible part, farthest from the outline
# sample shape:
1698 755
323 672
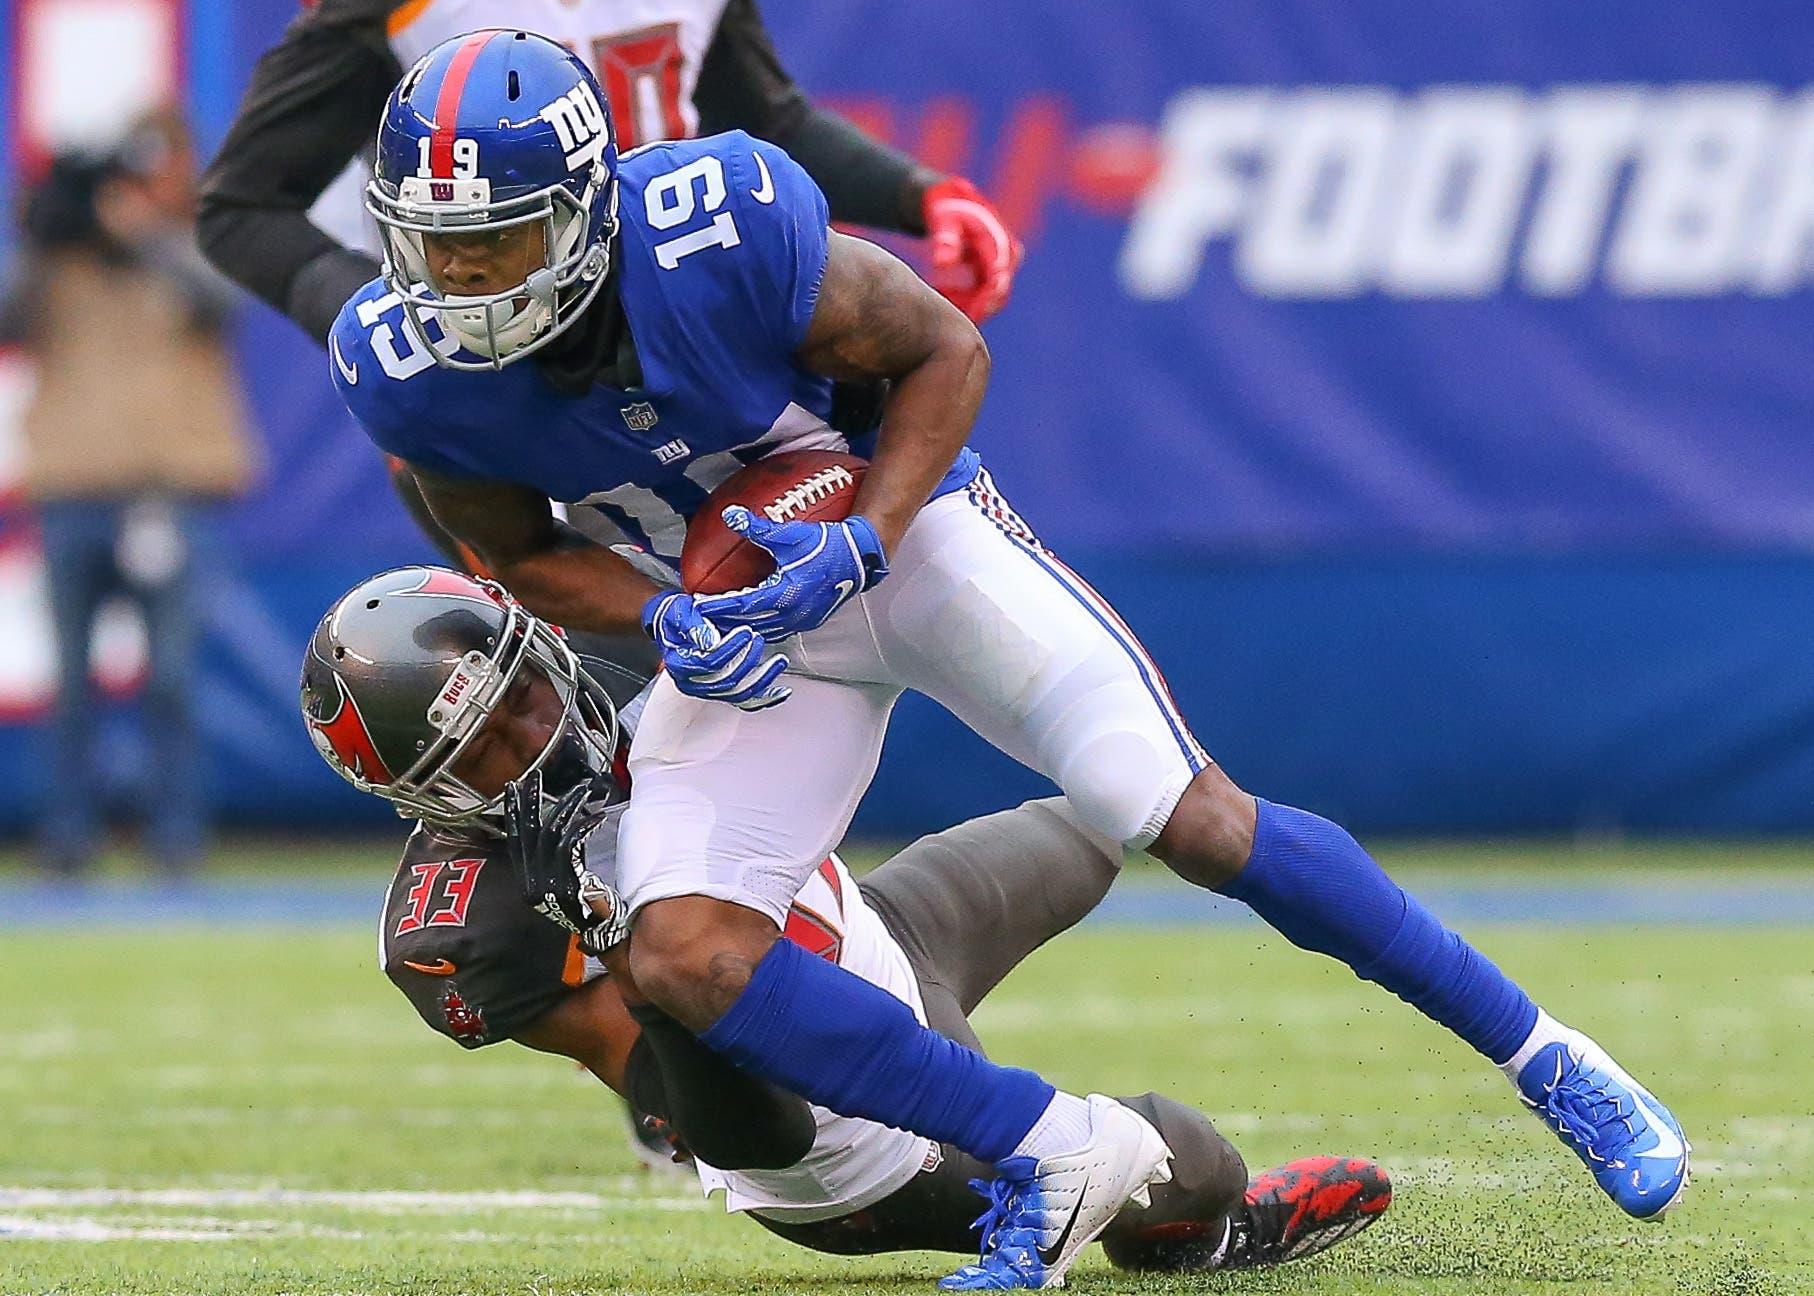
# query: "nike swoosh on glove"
819 567
974 257
705 663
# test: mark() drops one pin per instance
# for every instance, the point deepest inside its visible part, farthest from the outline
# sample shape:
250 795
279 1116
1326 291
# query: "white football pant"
742 806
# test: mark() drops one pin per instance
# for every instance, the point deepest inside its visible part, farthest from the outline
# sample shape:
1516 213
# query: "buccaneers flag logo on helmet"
343 737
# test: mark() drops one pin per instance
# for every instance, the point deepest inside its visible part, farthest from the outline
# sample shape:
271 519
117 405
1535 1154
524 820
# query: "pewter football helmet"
405 668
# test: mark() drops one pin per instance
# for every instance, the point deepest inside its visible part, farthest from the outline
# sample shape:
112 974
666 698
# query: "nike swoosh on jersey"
440 967
350 372
765 192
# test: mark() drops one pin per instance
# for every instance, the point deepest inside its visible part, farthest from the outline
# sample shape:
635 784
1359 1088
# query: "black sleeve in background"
17 302
312 105
321 287
742 86
725 1116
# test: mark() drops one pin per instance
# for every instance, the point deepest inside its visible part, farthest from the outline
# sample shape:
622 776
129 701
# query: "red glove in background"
974 257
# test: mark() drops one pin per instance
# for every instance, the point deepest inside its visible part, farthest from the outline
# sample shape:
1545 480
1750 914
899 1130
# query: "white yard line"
56 1226
185 1228
382 1201
79 1228
23 1228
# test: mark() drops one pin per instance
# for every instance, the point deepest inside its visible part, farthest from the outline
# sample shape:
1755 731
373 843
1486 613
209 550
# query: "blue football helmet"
490 131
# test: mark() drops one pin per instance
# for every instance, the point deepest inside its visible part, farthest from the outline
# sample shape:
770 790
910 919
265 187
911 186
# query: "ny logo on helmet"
580 123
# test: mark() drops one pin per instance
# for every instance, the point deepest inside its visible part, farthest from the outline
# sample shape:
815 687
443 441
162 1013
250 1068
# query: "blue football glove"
706 664
819 567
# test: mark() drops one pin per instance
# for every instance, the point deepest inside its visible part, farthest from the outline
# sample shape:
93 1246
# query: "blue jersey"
720 252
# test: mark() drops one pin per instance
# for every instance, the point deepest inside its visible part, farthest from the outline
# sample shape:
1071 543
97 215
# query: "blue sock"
1315 885
833 1038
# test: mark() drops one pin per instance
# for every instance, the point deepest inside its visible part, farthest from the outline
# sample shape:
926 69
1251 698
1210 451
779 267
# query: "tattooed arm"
876 319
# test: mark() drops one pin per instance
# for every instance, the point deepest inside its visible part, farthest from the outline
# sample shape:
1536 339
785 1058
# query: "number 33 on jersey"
717 265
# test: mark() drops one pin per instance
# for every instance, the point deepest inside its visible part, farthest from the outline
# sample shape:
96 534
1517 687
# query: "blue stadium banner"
1304 278
1397 284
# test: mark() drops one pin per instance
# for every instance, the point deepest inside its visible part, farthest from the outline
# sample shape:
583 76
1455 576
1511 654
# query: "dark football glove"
548 850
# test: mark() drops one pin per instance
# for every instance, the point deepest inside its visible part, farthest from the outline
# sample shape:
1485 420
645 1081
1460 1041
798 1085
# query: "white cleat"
1043 1214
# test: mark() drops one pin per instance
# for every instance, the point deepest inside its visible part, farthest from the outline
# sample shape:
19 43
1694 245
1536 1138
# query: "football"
795 486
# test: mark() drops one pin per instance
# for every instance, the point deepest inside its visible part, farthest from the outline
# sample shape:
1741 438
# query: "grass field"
196 1110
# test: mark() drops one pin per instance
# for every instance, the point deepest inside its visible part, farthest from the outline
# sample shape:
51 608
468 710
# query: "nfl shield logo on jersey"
641 416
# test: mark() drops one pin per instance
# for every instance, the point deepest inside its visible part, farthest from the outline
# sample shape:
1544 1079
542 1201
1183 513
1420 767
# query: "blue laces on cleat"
999 1193
1008 1250
1629 1141
1581 1109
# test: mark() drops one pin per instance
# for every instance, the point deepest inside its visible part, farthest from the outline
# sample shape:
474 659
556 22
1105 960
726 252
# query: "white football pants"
742 806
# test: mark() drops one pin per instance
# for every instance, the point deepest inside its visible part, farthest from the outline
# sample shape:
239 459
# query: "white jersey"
646 53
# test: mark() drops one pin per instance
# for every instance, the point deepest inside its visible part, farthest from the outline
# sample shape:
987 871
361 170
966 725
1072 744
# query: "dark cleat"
1303 1207
1296 1210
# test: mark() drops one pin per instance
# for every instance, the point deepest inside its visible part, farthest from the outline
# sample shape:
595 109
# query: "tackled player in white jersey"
500 926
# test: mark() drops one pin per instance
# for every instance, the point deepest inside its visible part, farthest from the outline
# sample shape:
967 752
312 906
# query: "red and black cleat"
1296 1210
1303 1207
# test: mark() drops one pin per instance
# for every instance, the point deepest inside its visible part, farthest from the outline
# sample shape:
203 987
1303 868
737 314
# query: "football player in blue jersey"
272 213
624 334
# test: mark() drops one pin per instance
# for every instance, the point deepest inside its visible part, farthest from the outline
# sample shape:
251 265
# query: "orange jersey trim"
575 971
405 14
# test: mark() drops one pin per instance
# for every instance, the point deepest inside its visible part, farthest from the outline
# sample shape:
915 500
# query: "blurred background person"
133 434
